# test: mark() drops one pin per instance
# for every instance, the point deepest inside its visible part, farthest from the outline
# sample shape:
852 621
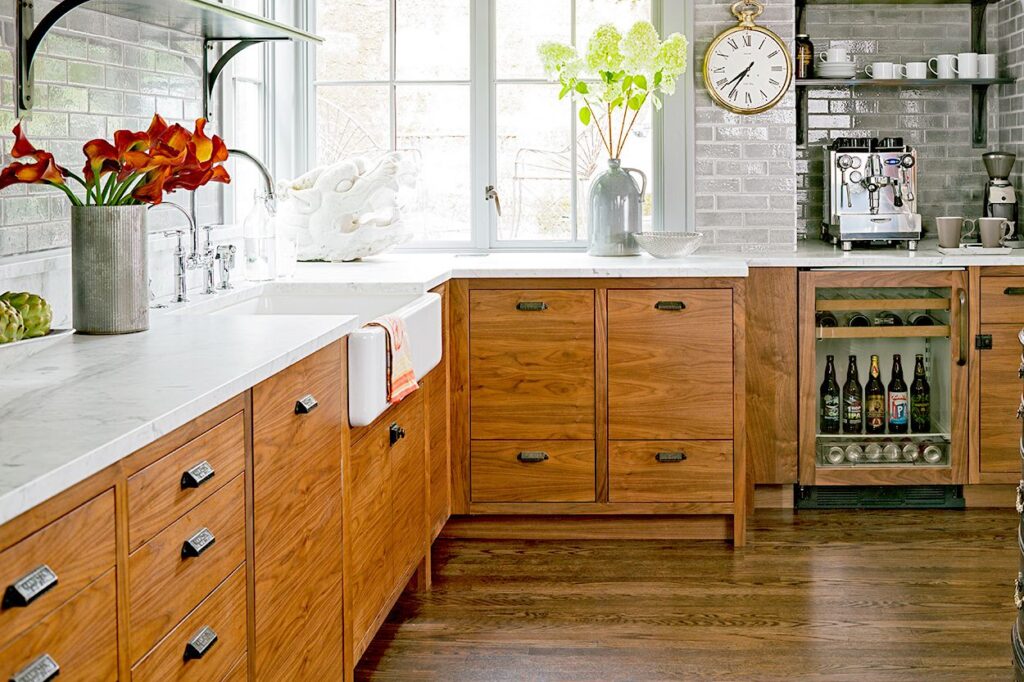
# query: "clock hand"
740 80
741 74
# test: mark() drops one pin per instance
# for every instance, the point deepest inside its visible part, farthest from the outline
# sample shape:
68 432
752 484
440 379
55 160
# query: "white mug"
944 66
899 71
987 67
967 64
835 55
881 70
917 70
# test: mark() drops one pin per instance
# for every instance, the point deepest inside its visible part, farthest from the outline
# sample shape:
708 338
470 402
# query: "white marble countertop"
88 401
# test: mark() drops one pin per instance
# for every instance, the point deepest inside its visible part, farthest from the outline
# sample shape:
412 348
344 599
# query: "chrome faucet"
270 195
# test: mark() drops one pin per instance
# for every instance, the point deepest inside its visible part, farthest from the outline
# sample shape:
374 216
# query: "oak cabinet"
532 364
670 471
388 524
1001 370
670 364
297 519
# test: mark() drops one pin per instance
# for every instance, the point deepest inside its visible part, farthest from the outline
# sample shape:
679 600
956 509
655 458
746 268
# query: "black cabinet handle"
665 457
670 305
1014 291
306 404
200 643
531 306
532 456
201 541
197 475
395 433
40 670
29 587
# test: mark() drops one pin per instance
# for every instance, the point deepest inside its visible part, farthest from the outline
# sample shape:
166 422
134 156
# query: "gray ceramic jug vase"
616 211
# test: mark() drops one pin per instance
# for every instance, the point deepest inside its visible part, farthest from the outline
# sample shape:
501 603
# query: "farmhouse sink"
367 358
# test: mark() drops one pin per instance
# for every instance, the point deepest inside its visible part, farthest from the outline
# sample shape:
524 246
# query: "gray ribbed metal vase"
109 269
616 211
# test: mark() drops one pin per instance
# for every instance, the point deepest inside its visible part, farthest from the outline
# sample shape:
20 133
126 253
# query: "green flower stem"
122 188
600 131
631 123
107 188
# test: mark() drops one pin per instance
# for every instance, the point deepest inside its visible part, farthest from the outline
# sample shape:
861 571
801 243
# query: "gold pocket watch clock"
747 68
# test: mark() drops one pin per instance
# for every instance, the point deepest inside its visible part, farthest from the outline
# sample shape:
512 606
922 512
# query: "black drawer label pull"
197 475
670 305
532 456
665 457
395 433
29 587
306 404
1014 291
531 306
200 643
40 670
197 544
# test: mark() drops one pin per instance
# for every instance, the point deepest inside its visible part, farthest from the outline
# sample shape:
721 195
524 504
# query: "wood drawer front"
1002 299
156 497
80 636
370 529
409 488
531 371
164 586
670 371
224 613
78 548
498 473
635 473
1000 394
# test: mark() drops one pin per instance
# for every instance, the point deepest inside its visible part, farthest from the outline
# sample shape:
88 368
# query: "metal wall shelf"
210 20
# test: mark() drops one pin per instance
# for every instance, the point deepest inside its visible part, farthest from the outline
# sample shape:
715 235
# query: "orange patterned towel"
400 375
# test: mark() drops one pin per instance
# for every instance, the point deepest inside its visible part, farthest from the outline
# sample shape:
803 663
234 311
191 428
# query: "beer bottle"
853 400
898 398
920 400
874 399
830 398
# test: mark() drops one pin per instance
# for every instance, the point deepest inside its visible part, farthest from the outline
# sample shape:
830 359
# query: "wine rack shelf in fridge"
919 316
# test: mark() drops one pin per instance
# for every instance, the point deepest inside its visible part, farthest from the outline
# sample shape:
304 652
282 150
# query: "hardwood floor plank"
829 595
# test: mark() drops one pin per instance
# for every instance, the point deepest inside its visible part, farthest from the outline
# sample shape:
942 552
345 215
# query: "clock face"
747 70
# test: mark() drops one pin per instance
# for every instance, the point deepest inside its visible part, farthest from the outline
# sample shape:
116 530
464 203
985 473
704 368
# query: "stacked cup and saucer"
836 63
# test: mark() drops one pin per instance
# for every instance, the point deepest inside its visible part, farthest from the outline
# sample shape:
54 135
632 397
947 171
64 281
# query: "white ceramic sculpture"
348 210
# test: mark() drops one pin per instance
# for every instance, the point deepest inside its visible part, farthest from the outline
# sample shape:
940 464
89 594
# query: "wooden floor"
834 595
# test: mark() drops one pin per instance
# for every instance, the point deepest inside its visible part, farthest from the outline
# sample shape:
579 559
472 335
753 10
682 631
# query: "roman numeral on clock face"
747 39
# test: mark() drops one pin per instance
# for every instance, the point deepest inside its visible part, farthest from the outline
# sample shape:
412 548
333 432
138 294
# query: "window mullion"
392 72
483 139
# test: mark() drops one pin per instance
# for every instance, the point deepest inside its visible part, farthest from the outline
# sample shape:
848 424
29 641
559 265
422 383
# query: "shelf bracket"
212 73
28 36
979 116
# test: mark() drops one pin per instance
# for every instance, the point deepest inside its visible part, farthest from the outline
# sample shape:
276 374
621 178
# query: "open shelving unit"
979 86
214 22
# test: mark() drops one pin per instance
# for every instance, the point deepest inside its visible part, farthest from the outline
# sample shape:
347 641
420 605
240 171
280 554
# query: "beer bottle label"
830 411
922 410
853 408
898 407
876 411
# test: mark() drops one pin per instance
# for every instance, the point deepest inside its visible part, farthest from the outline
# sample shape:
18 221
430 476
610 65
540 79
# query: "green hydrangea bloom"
671 61
640 48
560 60
603 52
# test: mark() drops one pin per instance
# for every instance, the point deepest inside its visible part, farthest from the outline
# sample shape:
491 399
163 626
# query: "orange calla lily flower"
44 171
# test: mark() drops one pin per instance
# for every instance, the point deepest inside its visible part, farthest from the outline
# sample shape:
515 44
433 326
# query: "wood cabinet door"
531 364
670 362
369 490
435 388
408 488
297 519
1000 392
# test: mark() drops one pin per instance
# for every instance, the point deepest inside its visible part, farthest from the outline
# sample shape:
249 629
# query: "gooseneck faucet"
270 195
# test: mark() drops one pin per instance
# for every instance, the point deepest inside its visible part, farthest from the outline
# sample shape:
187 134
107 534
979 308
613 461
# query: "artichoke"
36 313
12 328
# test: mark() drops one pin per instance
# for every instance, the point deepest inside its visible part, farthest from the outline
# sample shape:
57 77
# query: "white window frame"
673 153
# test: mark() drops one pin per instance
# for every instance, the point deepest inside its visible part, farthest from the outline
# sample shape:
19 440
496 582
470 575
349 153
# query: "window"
457 86
246 114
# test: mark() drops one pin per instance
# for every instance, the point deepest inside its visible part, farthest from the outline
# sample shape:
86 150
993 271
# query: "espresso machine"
871 193
1000 195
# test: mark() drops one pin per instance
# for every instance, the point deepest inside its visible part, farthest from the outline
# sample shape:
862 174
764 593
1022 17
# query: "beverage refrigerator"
924 312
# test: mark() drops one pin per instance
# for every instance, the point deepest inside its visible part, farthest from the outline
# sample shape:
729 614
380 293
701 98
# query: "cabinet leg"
739 530
421 579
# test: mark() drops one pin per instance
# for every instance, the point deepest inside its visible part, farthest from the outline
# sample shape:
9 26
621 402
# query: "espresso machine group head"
1000 195
871 192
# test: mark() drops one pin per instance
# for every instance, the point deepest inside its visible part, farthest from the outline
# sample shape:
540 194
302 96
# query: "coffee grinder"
1000 195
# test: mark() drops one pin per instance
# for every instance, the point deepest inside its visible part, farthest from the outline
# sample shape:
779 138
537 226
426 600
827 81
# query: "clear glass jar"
259 234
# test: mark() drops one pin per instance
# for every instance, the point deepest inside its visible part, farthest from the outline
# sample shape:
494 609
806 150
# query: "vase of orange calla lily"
109 231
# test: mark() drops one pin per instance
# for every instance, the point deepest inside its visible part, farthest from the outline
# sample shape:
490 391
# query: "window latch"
490 193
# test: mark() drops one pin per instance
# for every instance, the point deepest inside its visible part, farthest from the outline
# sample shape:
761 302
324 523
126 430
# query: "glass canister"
804 62
259 233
